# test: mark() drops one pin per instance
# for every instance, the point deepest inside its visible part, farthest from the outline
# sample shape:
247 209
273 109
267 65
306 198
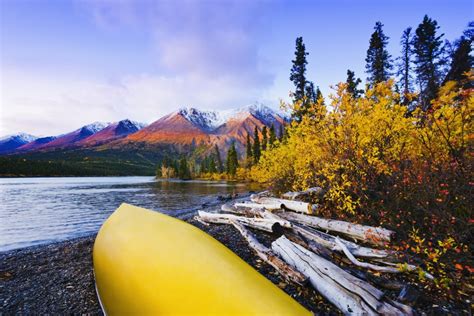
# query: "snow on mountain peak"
207 120
96 126
20 137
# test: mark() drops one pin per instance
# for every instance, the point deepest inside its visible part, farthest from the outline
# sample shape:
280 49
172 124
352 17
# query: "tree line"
425 63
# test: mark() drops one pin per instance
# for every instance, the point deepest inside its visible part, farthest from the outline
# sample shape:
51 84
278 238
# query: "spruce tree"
256 146
310 93
404 66
378 59
183 171
428 59
352 83
232 160
249 156
461 63
220 167
272 138
281 132
212 165
298 77
298 70
264 137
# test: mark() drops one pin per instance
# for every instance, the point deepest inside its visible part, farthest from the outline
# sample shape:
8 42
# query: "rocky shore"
58 278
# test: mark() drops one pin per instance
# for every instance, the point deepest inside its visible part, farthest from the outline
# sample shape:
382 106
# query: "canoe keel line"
147 263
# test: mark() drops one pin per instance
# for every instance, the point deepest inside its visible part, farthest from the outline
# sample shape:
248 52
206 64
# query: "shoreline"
57 278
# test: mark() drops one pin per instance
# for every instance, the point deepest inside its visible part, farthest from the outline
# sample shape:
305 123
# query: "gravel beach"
58 278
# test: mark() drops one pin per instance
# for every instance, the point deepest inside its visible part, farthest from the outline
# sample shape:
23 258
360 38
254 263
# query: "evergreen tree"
220 167
298 77
212 165
298 70
175 166
232 161
249 156
281 132
256 146
352 83
310 92
461 63
404 66
272 138
264 137
428 59
378 59
184 173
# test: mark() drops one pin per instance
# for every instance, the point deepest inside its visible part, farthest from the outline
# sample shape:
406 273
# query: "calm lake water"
43 210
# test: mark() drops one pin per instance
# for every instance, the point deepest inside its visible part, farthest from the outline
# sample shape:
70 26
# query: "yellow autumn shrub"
371 149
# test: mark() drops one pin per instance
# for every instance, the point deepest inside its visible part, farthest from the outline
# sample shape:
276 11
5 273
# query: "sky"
67 63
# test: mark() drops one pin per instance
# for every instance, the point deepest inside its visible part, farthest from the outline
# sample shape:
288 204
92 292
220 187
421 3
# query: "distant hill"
11 143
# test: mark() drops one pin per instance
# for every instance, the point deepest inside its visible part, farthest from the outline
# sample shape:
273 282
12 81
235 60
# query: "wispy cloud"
205 54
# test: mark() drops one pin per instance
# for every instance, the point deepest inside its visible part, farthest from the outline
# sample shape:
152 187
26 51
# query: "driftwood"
350 294
269 257
364 264
316 191
271 203
252 212
374 235
257 223
329 242
256 206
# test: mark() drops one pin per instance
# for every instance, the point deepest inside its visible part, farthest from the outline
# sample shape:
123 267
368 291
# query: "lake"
37 211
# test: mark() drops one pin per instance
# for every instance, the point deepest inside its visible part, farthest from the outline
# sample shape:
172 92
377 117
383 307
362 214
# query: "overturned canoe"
149 263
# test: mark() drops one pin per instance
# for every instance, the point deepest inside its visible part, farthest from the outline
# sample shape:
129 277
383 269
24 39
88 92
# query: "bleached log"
274 203
329 242
350 294
287 271
364 264
374 235
315 191
269 215
252 212
257 206
257 223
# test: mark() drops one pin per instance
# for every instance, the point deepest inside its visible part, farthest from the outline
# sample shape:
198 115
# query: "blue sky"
68 63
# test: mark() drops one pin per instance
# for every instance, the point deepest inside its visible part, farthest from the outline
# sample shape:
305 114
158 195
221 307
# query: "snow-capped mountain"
70 139
36 143
111 132
187 126
11 142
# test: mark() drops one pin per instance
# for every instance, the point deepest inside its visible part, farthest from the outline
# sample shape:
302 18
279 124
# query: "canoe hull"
149 263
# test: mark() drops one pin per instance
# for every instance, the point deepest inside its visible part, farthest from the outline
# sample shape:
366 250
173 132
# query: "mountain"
35 144
112 132
72 138
181 131
185 126
12 142
193 127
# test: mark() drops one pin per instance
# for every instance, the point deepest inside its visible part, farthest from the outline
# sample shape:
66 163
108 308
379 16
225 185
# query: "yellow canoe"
147 263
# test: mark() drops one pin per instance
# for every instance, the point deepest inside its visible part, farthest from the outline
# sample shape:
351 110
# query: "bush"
383 165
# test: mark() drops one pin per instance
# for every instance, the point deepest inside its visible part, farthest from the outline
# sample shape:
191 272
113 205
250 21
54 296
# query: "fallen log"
374 235
329 242
315 191
350 294
264 224
257 206
252 212
361 264
287 271
274 203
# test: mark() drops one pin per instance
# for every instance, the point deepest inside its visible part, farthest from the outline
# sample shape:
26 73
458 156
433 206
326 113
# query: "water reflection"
41 210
